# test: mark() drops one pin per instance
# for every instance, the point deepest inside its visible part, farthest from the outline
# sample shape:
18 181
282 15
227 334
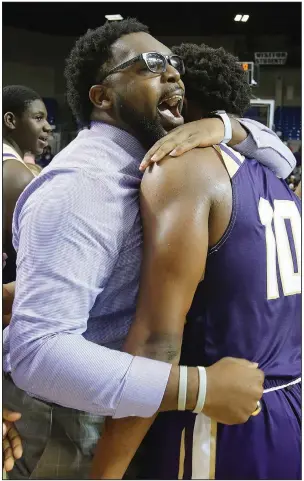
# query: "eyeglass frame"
143 56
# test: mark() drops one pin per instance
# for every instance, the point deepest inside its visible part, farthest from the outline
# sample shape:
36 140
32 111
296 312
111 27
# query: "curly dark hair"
16 98
214 79
86 60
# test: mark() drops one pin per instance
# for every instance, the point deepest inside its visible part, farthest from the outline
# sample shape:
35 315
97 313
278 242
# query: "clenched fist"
234 386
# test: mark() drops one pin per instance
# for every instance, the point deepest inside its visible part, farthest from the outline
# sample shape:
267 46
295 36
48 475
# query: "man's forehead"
134 44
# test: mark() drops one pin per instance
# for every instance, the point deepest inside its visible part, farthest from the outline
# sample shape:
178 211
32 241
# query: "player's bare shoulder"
15 173
197 172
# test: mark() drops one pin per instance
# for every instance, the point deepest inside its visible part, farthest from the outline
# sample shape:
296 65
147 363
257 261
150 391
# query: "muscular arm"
15 178
175 219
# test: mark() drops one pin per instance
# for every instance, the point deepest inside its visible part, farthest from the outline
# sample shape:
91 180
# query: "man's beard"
147 131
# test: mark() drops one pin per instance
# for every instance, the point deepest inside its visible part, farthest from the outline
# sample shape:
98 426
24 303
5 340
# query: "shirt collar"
122 138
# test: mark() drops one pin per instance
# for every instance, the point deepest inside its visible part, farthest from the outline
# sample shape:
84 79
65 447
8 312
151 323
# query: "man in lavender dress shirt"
77 230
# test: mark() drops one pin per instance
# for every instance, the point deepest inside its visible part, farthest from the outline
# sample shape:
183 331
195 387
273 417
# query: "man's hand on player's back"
234 386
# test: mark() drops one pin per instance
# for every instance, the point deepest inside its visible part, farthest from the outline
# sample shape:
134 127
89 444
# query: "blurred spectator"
52 142
29 158
46 157
25 129
294 179
298 156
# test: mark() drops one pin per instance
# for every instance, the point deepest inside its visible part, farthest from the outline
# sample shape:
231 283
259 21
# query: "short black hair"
214 79
16 98
86 60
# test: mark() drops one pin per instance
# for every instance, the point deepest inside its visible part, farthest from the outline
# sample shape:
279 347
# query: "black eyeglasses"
155 62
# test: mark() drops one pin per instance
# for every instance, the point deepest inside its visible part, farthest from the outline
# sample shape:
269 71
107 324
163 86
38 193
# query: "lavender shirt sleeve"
63 265
265 146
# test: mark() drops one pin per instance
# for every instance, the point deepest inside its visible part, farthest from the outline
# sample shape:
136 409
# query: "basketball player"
222 243
25 128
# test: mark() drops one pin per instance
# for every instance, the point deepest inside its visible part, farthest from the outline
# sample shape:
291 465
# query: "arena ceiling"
163 18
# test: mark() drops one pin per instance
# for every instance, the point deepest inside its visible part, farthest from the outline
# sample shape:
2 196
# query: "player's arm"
298 190
175 220
250 138
15 178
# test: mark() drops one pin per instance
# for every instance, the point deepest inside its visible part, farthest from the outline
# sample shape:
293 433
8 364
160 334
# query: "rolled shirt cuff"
251 144
144 389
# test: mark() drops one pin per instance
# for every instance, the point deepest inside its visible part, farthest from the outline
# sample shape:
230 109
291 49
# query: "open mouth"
170 109
44 140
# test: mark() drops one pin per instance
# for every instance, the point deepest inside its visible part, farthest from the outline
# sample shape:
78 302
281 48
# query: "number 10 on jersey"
278 246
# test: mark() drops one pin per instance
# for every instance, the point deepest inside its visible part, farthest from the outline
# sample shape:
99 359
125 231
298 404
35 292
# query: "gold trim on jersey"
213 436
231 165
7 149
182 455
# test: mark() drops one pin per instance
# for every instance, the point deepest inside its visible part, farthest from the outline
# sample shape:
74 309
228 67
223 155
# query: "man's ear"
100 97
10 120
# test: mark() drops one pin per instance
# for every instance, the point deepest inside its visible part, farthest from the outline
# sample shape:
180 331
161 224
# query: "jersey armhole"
233 162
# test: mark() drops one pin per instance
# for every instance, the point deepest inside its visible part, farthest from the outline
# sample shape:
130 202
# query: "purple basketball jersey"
247 306
249 303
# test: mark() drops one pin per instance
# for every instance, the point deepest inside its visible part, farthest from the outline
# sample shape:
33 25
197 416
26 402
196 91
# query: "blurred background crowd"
266 37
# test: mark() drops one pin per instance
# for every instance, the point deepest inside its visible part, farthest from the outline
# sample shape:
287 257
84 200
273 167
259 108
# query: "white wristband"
202 390
227 126
182 388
